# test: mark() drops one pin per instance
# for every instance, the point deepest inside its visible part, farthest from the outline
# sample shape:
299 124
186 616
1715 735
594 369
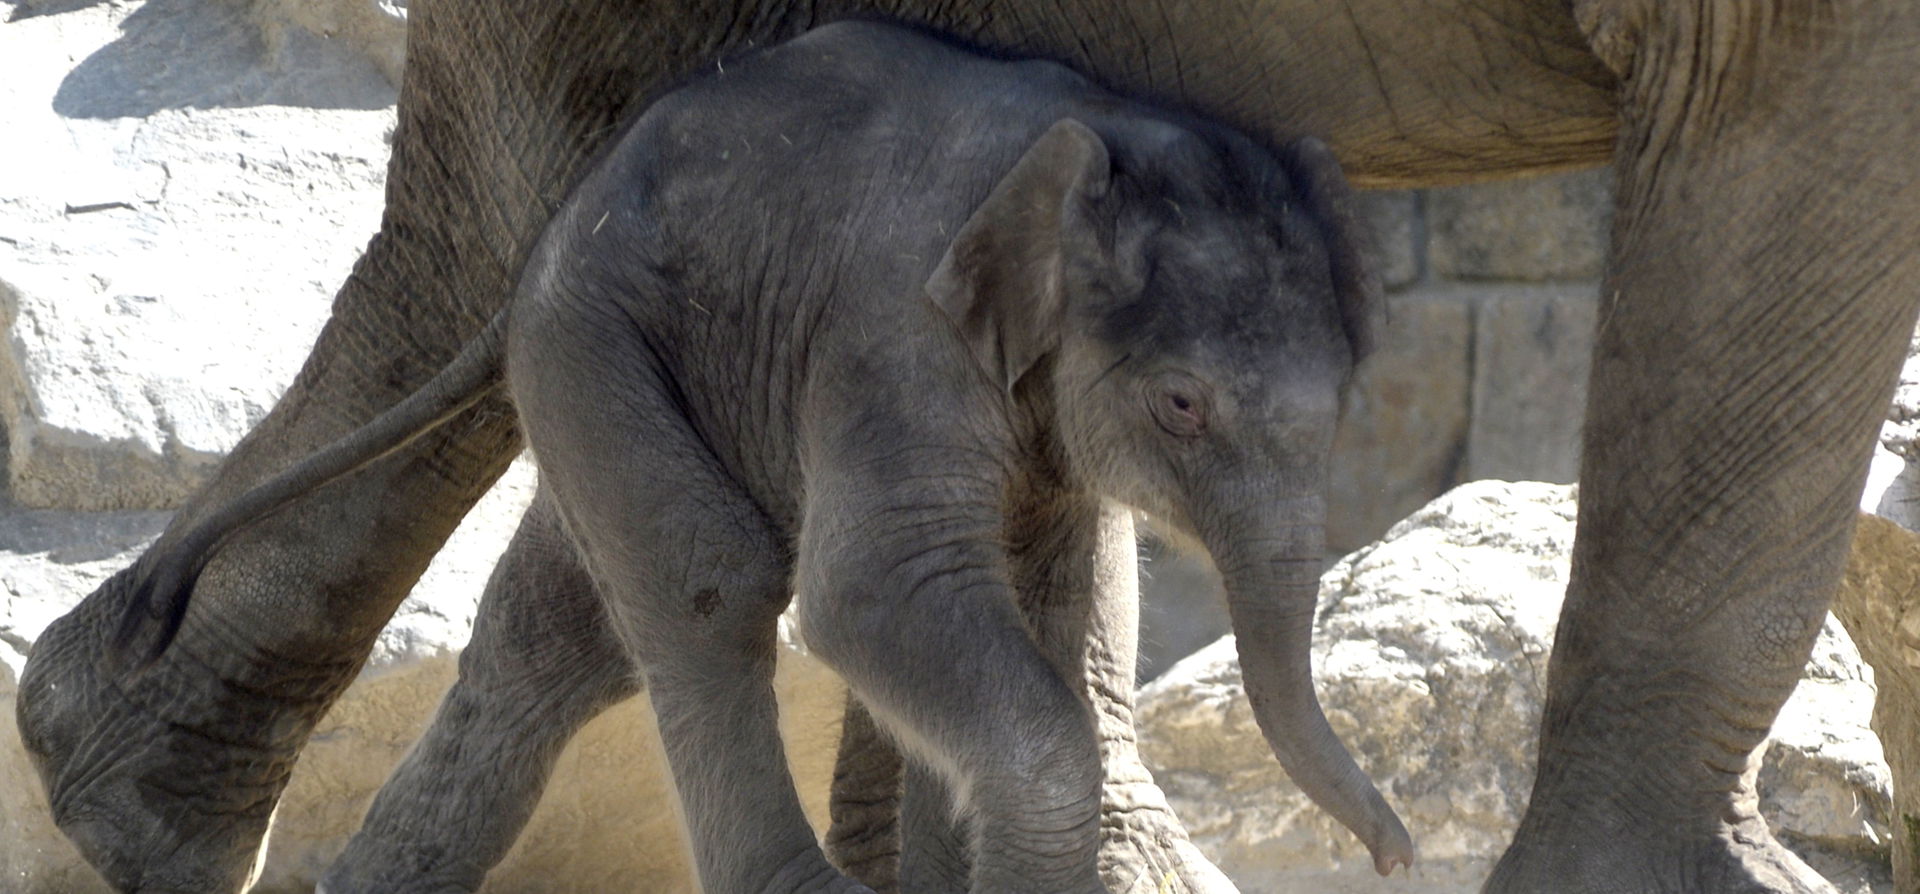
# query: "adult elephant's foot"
1589 857
166 779
1648 794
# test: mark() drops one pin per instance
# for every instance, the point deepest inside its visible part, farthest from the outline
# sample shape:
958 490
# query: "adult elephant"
1755 309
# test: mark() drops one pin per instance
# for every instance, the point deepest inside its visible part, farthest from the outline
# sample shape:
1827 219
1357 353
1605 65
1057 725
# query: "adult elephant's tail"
165 586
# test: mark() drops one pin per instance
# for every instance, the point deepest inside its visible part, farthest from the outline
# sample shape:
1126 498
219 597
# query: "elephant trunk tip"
1390 845
1377 826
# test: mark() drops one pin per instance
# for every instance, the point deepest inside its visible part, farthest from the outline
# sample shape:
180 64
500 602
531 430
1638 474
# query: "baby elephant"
876 320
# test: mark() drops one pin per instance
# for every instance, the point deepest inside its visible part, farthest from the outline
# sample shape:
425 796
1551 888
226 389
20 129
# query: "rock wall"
1482 373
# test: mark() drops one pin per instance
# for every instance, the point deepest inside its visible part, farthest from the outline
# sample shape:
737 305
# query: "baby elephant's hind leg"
693 575
541 664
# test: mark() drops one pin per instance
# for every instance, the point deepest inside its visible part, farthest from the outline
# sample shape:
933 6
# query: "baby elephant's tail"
171 567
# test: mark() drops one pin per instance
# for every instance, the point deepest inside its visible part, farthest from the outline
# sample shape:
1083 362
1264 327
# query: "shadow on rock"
27 9
75 537
180 54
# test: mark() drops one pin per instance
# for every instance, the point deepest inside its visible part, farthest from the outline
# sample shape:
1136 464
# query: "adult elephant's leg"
935 844
541 664
1761 292
166 779
863 839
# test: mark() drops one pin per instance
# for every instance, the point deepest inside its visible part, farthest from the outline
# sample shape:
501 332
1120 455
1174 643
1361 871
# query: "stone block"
1182 604
1547 228
1532 350
1392 219
1403 438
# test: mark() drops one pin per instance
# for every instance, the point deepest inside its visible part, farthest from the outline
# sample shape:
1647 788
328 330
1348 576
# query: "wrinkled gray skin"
903 384
1756 307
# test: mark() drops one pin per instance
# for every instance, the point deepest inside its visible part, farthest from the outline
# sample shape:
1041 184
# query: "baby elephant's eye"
1179 411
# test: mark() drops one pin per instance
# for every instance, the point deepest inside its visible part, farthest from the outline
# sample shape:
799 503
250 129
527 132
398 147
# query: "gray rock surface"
1396 233
1893 485
374 29
1431 655
1901 432
1533 347
1539 229
1403 435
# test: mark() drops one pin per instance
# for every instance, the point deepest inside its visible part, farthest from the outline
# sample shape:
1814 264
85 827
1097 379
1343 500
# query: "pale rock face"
1431 656
171 235
1893 485
1902 430
1879 600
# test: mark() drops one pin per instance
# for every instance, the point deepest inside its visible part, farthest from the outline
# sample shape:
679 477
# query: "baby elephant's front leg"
912 605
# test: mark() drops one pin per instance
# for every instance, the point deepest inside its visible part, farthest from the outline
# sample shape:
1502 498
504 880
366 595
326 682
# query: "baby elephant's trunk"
1272 585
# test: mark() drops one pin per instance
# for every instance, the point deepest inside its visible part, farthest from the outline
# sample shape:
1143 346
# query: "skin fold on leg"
994 711
935 841
1140 837
1091 567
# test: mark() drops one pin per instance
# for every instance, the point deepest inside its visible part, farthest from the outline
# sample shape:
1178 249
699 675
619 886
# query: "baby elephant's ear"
1329 201
1001 282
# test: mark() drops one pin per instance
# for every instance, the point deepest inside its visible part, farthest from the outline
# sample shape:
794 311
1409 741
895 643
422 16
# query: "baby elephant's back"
845 125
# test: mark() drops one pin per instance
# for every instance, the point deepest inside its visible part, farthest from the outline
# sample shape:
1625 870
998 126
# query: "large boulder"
1880 603
1431 655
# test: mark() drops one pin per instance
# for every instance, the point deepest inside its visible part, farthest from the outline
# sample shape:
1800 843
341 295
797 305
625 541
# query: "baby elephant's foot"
1143 847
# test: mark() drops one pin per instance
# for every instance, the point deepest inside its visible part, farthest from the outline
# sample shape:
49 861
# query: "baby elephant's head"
1187 307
